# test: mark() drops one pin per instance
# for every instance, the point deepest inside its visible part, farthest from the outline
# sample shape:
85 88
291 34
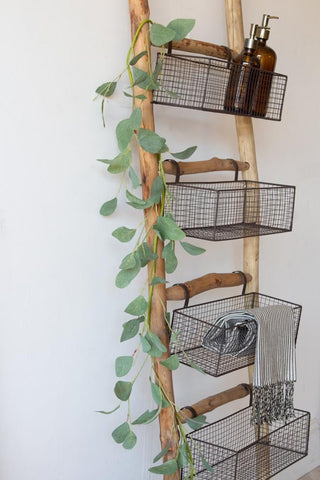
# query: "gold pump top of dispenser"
251 42
263 31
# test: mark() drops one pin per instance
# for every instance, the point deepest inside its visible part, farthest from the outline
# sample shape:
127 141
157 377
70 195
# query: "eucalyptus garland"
128 133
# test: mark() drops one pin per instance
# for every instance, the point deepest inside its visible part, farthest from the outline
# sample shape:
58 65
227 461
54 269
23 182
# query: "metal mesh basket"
229 210
192 324
214 85
237 450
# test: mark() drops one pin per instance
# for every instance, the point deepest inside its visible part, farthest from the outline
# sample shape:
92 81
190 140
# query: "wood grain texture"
202 48
203 166
139 11
214 401
205 283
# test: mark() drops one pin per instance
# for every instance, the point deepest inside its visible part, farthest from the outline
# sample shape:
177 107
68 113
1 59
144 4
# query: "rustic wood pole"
205 283
203 166
139 11
247 151
214 401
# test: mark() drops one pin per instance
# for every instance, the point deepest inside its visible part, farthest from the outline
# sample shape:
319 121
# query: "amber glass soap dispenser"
268 58
244 74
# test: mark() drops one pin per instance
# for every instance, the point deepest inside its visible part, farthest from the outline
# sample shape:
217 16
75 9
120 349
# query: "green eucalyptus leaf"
206 465
109 207
106 89
134 178
158 280
123 390
104 160
124 234
131 328
146 346
129 261
125 277
172 363
192 249
160 35
183 455
136 202
171 261
136 118
158 397
196 422
138 306
120 433
181 26
124 132
147 417
157 70
156 190
145 254
108 413
155 350
155 340
163 452
185 154
135 59
151 141
196 367
130 441
123 365
120 163
142 79
141 97
156 394
166 468
169 229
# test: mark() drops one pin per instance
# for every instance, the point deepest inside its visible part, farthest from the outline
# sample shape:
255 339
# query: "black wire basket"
237 450
194 322
229 210
215 85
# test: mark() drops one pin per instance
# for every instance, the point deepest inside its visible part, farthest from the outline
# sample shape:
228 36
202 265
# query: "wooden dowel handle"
206 282
203 166
203 48
214 401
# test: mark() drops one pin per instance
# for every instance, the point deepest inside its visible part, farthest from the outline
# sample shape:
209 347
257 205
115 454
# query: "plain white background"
60 311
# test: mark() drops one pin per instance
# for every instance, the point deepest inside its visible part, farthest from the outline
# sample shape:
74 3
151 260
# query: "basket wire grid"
192 323
236 449
212 84
229 210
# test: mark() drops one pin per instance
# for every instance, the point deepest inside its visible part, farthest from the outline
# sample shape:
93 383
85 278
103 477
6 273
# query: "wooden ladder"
139 11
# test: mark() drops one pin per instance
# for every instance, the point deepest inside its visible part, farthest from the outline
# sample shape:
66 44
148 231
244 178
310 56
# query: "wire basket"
229 210
237 450
215 85
193 323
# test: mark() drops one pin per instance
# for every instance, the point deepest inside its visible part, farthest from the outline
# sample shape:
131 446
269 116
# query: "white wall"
61 313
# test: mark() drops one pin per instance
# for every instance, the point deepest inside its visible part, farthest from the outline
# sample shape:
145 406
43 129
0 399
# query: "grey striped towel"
268 332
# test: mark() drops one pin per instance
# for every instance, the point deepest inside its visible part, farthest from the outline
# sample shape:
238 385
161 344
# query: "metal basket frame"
202 83
238 450
230 210
192 323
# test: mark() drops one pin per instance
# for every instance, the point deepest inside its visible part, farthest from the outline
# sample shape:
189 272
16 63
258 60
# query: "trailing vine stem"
165 229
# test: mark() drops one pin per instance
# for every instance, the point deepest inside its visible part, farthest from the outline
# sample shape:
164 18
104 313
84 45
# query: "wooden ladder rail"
139 11
247 153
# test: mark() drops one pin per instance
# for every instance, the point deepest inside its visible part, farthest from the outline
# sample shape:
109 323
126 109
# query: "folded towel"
269 332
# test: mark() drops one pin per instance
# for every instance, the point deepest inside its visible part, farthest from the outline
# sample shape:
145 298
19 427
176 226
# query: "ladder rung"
204 283
213 165
214 401
203 48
